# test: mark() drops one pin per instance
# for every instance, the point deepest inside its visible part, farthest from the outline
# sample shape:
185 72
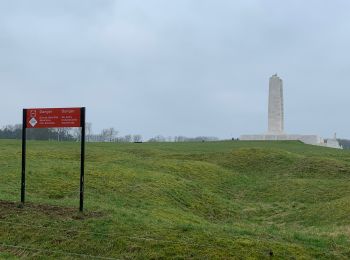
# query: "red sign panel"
53 117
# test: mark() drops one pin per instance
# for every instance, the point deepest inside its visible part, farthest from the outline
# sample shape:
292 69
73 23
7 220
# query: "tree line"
344 143
106 135
15 132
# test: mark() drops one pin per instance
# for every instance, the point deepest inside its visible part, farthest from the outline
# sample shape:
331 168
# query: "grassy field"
216 200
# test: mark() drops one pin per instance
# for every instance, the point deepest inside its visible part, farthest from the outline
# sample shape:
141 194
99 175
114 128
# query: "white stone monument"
276 121
276 111
333 143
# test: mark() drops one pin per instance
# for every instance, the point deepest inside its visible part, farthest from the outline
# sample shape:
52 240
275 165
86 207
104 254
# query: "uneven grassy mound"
177 200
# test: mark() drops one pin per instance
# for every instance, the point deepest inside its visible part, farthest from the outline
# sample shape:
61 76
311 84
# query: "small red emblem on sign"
53 117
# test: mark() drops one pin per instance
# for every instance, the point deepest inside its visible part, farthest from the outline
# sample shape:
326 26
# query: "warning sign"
53 117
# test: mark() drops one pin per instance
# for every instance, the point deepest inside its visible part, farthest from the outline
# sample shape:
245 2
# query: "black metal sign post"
82 157
24 149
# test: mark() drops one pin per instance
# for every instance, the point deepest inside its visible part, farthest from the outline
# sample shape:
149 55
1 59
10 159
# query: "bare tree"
112 134
58 132
109 134
128 138
76 132
137 138
88 130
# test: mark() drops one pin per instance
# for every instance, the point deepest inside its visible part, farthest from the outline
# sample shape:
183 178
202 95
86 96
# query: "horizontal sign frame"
53 117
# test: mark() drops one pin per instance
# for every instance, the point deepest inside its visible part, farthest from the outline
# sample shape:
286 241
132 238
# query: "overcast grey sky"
178 67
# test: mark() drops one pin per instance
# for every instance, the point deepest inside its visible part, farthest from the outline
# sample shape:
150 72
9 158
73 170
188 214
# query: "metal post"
82 163
24 146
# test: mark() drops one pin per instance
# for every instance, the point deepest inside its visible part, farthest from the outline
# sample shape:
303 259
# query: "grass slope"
177 200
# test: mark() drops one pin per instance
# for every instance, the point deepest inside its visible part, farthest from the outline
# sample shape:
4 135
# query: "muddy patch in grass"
9 208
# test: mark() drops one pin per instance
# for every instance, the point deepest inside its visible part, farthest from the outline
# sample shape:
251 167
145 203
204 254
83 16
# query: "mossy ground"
215 200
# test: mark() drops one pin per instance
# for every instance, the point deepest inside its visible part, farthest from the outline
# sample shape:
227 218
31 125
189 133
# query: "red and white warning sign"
53 117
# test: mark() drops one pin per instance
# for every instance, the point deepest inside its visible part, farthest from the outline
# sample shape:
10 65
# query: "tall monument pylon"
276 122
276 109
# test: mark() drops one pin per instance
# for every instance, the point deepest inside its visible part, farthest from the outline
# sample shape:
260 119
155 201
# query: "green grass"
215 200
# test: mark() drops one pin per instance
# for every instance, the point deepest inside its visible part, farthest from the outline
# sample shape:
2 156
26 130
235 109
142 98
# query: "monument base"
307 139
